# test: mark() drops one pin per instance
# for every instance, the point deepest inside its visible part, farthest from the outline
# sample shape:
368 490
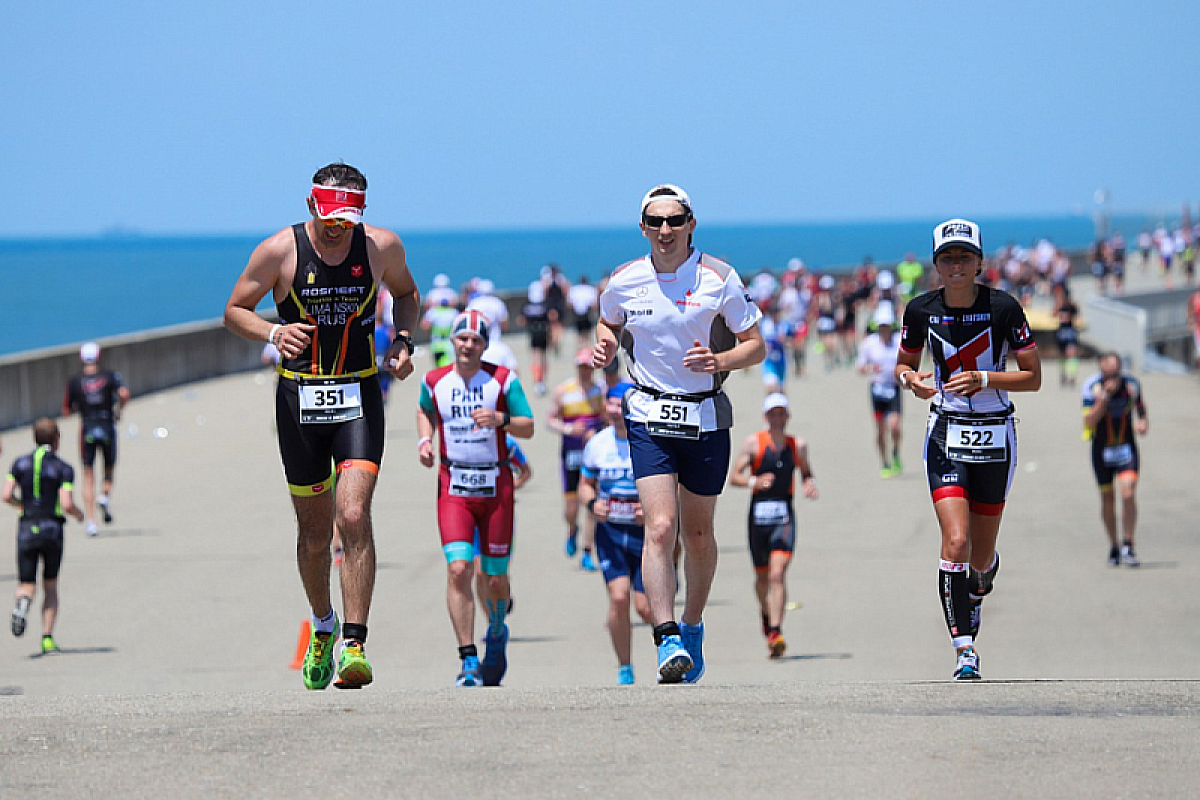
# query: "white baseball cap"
89 353
667 191
441 280
885 280
957 233
884 314
485 286
775 400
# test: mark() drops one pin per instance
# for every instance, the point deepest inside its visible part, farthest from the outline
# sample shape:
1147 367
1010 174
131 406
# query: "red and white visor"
336 202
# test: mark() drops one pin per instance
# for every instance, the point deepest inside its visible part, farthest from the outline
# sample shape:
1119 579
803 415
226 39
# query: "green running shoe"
317 668
48 645
353 670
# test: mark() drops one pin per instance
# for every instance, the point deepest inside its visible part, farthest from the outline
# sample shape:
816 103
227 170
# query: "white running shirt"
664 315
881 355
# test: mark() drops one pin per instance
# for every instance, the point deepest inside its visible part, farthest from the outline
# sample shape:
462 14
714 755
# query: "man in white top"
582 298
877 359
492 307
441 293
684 320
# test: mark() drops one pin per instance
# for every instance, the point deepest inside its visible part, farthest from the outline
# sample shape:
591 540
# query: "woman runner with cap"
684 320
970 441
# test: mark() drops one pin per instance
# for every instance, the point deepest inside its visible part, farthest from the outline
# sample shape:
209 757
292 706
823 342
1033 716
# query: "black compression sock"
468 650
664 630
956 602
354 632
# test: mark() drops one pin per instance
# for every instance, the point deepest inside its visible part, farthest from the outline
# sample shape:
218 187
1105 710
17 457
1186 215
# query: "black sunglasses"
675 220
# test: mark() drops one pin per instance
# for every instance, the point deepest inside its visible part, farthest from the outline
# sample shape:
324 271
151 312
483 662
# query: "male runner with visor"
324 275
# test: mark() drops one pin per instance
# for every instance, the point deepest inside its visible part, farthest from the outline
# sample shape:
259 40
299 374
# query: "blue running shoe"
968 665
572 546
495 660
470 672
673 660
587 562
625 675
693 642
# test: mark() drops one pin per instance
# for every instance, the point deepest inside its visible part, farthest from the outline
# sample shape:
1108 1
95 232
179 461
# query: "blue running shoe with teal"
673 660
495 659
470 673
587 562
968 665
693 642
625 675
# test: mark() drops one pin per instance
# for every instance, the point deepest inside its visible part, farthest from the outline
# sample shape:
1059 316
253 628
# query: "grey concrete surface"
179 622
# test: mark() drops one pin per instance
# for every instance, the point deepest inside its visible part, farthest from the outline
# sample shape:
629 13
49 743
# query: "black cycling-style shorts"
310 451
985 485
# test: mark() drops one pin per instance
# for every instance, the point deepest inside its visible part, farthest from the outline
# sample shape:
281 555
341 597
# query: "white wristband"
904 376
424 440
983 379
271 335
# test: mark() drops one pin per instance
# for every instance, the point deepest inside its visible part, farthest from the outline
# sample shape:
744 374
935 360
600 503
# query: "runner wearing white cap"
877 359
99 396
767 463
685 321
970 441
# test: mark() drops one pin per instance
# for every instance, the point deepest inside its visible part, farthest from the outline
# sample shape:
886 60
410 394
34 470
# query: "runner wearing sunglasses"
684 320
324 275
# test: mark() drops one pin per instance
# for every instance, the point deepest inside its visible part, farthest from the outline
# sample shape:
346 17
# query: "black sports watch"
406 340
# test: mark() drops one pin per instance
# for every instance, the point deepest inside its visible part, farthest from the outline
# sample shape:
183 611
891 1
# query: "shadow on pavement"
74 651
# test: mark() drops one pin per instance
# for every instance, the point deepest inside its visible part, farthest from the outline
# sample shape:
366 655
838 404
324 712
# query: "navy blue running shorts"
701 464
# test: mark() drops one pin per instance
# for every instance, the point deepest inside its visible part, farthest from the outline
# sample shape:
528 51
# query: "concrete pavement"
178 623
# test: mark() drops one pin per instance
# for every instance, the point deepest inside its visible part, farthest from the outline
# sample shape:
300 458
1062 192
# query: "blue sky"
211 117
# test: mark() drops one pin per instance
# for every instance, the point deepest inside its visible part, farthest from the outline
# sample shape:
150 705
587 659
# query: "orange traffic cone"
302 644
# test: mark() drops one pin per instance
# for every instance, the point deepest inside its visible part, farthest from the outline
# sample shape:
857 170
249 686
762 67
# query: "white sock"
324 624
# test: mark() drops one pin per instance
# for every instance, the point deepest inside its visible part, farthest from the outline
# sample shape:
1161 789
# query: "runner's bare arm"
607 336
10 493
808 481
66 499
749 350
262 275
425 428
1026 378
741 466
907 375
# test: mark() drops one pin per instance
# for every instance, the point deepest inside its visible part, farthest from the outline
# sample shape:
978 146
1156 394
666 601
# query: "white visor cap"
667 191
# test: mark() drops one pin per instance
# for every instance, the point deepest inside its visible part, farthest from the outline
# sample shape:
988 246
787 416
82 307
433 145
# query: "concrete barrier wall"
32 384
1117 326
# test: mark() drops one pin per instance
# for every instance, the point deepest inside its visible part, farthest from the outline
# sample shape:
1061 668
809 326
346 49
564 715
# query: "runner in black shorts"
324 275
1110 398
40 484
970 442
535 317
99 396
767 463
